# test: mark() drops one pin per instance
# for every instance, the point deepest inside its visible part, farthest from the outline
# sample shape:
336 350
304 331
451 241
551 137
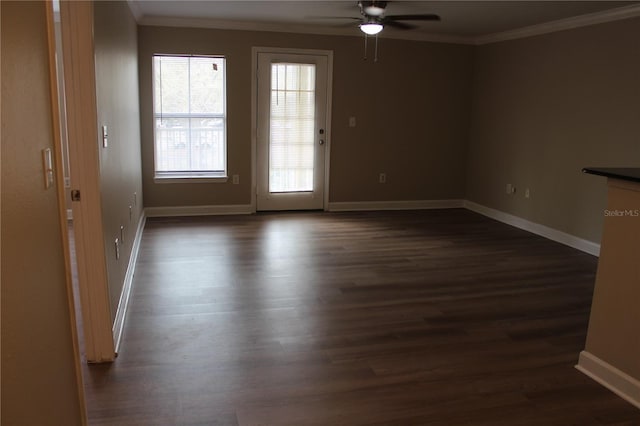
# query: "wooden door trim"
62 209
254 115
80 95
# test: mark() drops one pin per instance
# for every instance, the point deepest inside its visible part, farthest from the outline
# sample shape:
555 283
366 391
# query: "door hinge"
75 195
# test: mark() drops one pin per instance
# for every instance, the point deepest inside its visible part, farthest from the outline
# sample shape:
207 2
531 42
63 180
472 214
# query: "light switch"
47 167
352 122
104 137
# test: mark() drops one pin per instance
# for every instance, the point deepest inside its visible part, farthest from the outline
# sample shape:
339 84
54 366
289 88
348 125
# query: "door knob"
321 142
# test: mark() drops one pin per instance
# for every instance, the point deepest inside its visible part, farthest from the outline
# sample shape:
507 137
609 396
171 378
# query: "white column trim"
617 381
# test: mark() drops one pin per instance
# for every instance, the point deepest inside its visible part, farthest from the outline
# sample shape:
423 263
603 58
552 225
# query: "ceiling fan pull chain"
366 37
375 58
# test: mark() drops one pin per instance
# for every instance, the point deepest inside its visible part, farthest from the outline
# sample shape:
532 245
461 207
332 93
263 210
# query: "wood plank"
437 317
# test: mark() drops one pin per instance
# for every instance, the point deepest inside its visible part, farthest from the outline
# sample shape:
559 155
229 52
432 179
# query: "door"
292 133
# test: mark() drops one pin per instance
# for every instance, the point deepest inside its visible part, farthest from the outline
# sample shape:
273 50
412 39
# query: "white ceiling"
461 20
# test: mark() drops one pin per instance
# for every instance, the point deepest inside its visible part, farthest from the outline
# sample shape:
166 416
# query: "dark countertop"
623 173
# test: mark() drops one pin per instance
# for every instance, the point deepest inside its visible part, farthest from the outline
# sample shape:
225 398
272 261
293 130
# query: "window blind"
189 115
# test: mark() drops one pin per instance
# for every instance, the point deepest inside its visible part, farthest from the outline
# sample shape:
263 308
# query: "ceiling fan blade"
333 17
423 17
399 25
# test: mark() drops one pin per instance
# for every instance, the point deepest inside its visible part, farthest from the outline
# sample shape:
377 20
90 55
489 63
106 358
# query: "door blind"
292 127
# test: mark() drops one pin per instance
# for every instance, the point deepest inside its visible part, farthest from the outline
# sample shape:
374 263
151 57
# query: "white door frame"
62 208
254 114
82 130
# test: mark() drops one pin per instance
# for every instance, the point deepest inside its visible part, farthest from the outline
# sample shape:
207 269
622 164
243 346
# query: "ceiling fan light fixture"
371 28
374 10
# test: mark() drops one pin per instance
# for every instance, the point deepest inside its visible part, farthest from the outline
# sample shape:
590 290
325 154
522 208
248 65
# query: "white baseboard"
198 210
542 230
618 382
394 205
123 303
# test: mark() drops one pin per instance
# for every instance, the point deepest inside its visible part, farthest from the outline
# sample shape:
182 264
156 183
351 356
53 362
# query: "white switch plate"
104 137
47 167
352 122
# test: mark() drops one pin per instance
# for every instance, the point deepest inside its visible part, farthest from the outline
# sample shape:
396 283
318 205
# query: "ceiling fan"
374 19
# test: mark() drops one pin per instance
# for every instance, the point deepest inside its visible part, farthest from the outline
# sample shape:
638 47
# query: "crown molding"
162 21
135 10
610 15
616 14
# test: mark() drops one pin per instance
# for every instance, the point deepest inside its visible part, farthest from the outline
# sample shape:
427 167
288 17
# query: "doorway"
293 105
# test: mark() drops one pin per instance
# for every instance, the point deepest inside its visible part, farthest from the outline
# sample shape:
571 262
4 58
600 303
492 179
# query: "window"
189 112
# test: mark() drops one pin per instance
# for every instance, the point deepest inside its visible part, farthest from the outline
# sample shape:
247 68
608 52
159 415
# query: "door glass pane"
292 127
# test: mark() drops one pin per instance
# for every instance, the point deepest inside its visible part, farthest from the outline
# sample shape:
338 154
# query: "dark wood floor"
393 318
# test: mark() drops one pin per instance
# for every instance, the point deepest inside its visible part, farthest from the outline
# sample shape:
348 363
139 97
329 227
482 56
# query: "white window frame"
194 176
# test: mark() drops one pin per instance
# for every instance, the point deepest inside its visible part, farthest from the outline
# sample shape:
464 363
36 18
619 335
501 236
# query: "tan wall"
411 109
545 107
116 54
39 382
615 317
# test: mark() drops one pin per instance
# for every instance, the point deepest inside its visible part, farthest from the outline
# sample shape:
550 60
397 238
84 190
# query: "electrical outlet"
236 179
510 189
382 178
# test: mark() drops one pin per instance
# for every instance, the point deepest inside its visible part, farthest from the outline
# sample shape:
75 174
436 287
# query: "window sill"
187 178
